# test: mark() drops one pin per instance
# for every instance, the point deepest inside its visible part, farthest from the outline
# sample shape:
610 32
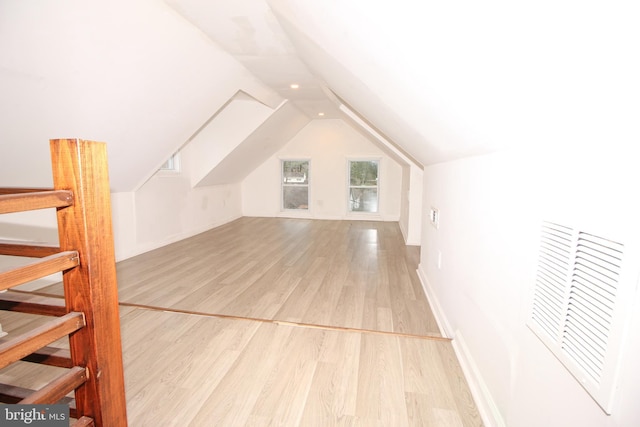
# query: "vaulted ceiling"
434 80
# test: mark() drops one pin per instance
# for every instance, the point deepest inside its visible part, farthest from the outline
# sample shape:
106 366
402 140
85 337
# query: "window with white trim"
172 164
363 185
295 184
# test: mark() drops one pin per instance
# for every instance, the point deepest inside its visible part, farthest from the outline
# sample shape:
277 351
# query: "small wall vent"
581 303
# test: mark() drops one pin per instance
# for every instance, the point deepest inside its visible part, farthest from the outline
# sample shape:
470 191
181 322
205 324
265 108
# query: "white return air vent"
581 304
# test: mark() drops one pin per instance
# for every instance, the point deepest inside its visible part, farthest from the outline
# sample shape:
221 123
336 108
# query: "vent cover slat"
589 333
575 302
587 368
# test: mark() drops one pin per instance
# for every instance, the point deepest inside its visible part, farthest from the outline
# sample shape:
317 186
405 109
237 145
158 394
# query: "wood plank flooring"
324 323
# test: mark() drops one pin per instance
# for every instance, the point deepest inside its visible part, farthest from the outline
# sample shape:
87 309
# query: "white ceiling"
250 32
439 80
444 80
393 63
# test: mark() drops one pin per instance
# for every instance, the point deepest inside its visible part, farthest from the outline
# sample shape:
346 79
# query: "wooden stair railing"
20 202
27 249
38 269
25 302
28 342
89 315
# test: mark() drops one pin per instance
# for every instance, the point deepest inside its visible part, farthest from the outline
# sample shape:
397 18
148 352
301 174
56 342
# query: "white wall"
328 144
403 222
167 209
490 212
411 204
164 210
123 219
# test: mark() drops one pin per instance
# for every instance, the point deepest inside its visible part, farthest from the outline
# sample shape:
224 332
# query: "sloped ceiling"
134 74
224 133
453 79
272 134
444 80
441 80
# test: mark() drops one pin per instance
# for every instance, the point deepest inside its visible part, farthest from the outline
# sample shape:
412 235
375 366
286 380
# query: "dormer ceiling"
250 32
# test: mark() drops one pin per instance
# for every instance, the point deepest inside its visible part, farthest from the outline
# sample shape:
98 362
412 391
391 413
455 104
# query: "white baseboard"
436 308
346 217
491 416
489 412
405 233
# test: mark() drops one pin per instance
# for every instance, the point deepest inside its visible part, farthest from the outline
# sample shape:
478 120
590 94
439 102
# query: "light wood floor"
280 322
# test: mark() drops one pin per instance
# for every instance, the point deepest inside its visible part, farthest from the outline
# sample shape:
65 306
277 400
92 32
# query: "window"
363 186
172 164
295 184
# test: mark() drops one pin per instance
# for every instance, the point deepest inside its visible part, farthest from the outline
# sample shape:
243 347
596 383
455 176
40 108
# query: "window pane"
363 186
295 184
295 197
295 172
363 199
364 173
172 164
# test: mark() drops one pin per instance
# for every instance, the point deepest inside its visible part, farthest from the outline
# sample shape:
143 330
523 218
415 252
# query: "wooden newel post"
91 288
